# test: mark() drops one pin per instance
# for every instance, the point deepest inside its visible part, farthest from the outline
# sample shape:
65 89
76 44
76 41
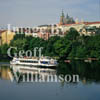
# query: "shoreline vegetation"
70 47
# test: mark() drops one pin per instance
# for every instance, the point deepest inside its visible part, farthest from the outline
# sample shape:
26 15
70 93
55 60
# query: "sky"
23 13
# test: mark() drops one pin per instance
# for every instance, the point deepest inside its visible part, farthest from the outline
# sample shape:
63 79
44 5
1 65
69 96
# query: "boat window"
44 62
24 61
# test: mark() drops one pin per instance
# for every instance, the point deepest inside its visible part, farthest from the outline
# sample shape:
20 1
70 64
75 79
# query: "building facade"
6 37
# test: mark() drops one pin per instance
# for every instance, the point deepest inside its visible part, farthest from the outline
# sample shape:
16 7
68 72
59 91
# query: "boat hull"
36 65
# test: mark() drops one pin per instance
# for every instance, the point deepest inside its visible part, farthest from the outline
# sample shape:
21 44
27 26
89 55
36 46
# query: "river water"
88 87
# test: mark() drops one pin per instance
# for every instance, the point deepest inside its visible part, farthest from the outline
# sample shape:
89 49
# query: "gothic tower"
62 19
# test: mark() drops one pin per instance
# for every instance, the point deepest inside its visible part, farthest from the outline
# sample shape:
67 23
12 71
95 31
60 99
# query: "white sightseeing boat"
43 61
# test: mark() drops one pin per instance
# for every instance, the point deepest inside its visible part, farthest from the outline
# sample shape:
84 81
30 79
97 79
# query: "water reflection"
4 70
88 72
32 74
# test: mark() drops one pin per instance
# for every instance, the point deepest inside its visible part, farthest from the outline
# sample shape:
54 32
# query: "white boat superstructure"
43 62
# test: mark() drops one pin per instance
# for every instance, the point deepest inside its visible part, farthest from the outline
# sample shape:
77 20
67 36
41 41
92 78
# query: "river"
88 87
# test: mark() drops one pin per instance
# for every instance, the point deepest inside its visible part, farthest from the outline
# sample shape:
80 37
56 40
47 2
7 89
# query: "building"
44 35
86 28
92 24
90 31
35 35
6 36
66 20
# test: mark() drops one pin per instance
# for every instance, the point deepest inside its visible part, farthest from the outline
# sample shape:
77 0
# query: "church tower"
62 19
66 20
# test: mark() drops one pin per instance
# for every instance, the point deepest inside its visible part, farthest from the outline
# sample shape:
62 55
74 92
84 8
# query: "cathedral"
66 20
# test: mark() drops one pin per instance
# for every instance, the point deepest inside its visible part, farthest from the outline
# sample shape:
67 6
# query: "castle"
66 20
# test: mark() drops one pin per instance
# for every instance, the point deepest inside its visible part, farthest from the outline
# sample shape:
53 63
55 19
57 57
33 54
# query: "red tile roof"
86 23
89 23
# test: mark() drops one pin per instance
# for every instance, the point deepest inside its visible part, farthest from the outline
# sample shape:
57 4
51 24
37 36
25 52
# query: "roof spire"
67 16
63 13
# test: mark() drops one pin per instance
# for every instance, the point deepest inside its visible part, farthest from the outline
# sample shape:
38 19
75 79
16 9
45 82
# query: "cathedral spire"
67 16
63 13
62 18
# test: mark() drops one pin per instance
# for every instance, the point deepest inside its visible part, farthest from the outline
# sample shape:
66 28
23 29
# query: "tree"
72 34
50 47
3 50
